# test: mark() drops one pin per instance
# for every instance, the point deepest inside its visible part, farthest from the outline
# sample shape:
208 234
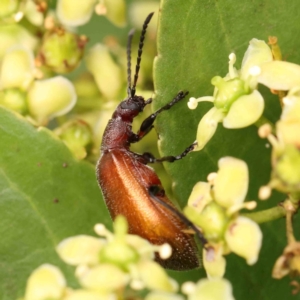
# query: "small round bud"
137 285
100 229
193 103
188 287
61 51
264 192
211 177
78 137
264 130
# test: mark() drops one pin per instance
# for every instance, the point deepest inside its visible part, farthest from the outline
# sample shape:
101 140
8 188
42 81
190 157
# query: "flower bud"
17 68
77 135
46 282
107 74
71 14
212 220
50 98
286 172
244 237
14 99
228 92
61 50
80 249
119 253
15 34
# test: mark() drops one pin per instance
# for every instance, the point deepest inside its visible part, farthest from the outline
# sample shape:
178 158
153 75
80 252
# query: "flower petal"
200 196
107 73
116 12
214 264
258 52
244 238
245 111
279 75
207 127
104 277
17 68
216 289
71 13
155 277
88 295
231 183
50 98
163 296
80 249
46 282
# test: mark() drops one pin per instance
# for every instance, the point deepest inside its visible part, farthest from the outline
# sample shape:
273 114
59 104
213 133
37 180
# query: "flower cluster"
285 175
105 266
237 102
214 207
39 46
114 265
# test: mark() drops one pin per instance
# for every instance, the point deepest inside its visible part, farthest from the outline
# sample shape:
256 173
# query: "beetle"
131 188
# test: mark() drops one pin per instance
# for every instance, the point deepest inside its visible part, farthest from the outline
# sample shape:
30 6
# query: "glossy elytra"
131 188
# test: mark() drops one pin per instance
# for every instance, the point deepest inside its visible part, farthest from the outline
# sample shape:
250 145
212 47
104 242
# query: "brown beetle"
133 189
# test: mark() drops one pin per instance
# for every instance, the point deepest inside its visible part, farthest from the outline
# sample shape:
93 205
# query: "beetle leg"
154 192
149 158
147 124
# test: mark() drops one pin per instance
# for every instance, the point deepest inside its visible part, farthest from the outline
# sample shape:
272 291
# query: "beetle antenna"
182 217
140 51
130 36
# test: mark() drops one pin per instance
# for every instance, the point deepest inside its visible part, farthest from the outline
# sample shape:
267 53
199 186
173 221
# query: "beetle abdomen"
125 182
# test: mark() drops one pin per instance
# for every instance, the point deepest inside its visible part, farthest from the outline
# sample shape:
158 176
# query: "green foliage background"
194 41
46 195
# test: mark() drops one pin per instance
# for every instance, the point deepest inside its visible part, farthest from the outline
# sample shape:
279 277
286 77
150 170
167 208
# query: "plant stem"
289 227
267 215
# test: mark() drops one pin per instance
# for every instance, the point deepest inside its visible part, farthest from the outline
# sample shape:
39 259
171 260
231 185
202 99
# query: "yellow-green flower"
46 282
237 103
214 208
213 289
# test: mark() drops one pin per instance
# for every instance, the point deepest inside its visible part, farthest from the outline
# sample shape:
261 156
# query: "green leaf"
45 196
194 41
